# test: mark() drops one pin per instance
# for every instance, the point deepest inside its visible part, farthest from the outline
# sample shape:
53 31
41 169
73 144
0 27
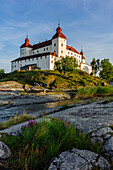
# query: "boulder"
79 160
108 148
4 155
4 151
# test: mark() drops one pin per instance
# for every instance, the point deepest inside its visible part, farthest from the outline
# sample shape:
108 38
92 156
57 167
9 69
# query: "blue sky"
86 23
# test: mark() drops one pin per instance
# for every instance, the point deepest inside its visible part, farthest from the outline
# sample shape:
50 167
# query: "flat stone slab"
79 160
88 117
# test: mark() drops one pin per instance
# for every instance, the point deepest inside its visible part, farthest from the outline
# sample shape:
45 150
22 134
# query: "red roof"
43 44
26 44
83 57
72 49
59 33
82 54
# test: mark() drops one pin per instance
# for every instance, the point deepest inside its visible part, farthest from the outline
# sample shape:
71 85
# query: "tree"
2 73
95 66
106 70
66 64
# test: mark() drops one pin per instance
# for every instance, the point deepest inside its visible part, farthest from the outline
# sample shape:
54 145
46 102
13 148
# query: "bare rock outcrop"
11 86
79 160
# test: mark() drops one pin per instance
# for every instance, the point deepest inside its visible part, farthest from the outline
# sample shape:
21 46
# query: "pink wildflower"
65 124
34 121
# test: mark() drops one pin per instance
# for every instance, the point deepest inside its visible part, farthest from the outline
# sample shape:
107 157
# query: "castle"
44 54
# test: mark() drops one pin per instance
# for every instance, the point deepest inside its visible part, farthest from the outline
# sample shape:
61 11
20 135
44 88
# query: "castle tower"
83 58
59 42
25 49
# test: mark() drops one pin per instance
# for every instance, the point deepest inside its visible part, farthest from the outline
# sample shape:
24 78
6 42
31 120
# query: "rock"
79 160
108 148
102 131
97 139
11 86
107 136
89 117
4 151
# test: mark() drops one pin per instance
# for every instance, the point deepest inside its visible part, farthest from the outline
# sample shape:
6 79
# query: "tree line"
102 68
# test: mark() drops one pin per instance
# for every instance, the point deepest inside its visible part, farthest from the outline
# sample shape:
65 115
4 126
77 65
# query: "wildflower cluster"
66 125
30 123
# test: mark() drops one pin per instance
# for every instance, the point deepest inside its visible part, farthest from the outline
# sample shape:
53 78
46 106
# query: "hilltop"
52 79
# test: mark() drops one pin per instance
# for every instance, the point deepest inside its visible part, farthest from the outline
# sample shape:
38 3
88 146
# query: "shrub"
39 143
94 91
13 121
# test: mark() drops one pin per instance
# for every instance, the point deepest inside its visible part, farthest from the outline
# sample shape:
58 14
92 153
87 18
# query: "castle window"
45 56
75 54
51 56
37 58
32 58
41 57
61 44
29 59
68 52
54 44
51 61
37 51
71 53
33 52
44 49
47 48
61 51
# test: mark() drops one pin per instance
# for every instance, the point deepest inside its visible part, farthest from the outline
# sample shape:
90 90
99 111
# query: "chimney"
46 39
39 41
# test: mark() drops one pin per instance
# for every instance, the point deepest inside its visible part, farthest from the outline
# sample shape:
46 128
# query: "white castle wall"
55 46
85 67
62 49
42 50
43 62
25 51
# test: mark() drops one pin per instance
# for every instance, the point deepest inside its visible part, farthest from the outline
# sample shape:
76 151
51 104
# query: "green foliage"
53 79
94 91
95 65
38 144
66 64
2 74
106 70
13 121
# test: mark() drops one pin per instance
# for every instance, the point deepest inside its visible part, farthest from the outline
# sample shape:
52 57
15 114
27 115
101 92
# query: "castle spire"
59 23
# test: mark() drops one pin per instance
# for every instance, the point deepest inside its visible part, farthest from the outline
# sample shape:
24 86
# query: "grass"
53 79
16 120
88 92
39 143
